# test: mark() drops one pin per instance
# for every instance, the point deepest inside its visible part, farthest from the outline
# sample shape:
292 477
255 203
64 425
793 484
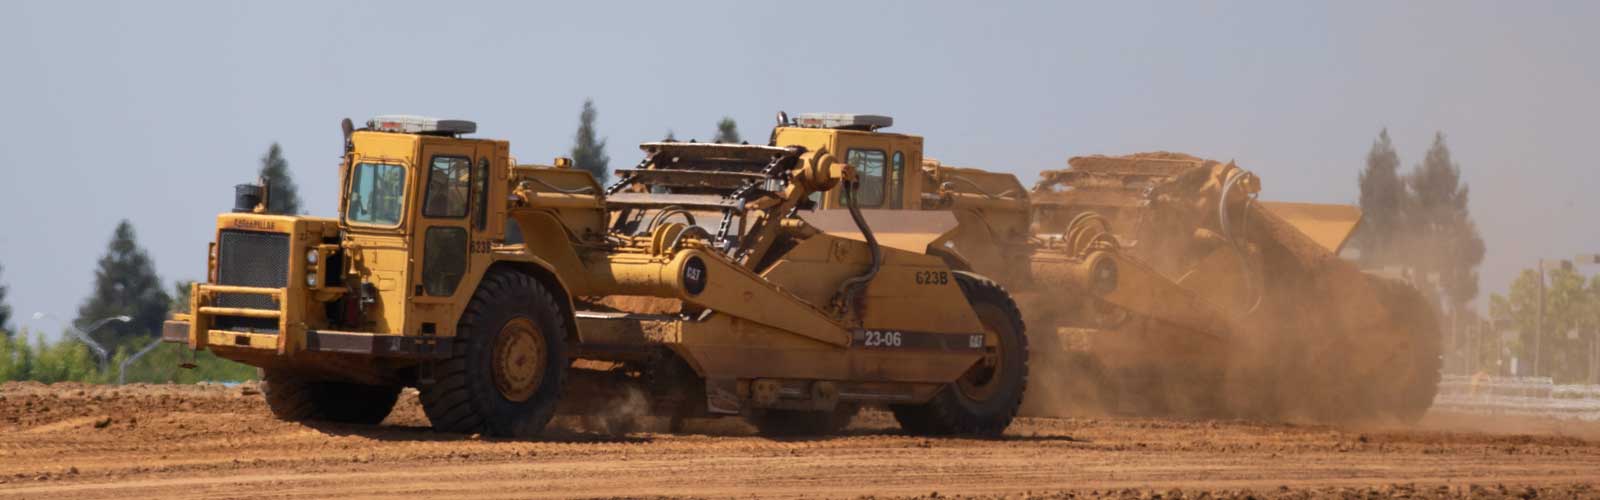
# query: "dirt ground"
81 441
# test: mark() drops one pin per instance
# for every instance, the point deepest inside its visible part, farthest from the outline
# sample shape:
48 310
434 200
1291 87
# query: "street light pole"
1538 328
1594 330
83 335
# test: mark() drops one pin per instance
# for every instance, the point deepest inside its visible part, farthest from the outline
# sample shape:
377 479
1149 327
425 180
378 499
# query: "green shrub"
67 360
16 357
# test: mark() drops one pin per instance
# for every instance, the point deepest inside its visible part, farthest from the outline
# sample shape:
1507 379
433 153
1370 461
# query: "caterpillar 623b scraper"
1153 283
500 290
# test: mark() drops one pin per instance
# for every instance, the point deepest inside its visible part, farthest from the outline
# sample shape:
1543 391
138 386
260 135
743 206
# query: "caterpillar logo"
694 276
260 225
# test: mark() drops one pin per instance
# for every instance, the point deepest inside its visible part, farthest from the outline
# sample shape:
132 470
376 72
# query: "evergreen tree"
1383 197
125 284
283 197
589 153
727 132
5 309
1445 239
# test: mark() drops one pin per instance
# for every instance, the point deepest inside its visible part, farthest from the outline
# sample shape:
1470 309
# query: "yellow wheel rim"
519 359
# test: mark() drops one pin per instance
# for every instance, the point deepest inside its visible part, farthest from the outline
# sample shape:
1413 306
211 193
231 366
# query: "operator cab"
885 162
376 191
415 185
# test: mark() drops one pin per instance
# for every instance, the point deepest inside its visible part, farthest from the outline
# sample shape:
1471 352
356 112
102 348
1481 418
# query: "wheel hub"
983 379
519 359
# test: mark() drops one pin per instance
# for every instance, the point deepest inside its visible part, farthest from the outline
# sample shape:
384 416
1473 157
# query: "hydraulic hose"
559 189
849 288
668 212
1227 233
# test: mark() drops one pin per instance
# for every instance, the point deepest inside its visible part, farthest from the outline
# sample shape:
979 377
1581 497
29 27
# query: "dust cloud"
1304 335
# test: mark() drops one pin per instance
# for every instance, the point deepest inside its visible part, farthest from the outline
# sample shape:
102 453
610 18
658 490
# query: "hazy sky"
151 111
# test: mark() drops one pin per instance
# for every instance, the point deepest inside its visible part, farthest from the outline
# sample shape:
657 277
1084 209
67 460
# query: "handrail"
242 312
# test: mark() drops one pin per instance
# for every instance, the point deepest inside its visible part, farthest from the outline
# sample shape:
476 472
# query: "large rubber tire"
953 410
797 423
514 314
1412 389
297 399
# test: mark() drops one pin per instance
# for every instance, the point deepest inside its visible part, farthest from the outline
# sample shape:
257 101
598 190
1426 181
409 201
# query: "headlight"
211 263
311 279
311 256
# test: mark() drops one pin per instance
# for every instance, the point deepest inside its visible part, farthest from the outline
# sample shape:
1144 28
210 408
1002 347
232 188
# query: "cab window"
377 191
449 184
869 165
444 260
480 217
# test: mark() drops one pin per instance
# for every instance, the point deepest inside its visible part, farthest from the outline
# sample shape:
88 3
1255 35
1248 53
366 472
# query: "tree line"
1564 341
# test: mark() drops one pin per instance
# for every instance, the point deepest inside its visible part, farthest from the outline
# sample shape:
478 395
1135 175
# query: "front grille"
248 258
243 324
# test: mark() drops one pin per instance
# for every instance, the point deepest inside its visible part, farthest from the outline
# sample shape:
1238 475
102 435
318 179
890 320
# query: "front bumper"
200 330
357 343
